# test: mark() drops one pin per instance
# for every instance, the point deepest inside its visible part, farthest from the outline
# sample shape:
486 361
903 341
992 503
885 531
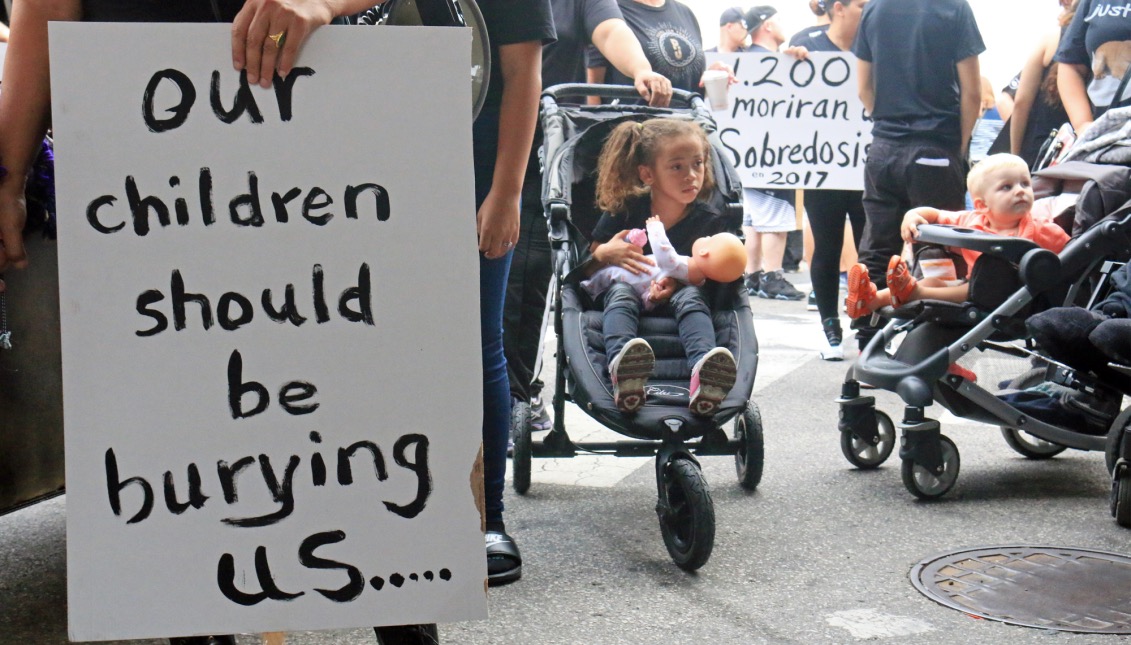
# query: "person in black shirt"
918 74
669 34
827 209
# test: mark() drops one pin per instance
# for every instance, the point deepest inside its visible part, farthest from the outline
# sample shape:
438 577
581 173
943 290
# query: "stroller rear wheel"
1031 446
1121 498
751 455
1024 443
520 434
864 454
687 514
927 485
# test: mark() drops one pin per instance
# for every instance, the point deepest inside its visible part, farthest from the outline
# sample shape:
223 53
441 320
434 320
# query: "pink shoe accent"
629 373
711 381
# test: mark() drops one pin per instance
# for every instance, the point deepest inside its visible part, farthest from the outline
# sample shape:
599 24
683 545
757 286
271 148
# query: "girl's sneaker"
833 350
901 284
629 372
861 291
711 381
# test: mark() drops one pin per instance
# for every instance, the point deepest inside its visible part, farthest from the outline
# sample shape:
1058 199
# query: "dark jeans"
492 289
693 318
826 210
527 285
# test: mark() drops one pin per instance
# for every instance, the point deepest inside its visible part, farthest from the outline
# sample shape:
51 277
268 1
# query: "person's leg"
630 358
496 386
773 250
794 250
753 246
713 368
885 204
620 322
773 285
527 284
693 320
826 211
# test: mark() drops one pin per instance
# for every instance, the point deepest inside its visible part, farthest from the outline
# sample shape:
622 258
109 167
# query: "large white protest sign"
270 325
795 123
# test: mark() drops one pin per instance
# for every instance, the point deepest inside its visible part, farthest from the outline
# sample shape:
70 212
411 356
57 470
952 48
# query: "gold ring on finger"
278 38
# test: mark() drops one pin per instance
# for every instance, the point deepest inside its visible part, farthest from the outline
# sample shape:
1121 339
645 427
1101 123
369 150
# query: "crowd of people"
919 78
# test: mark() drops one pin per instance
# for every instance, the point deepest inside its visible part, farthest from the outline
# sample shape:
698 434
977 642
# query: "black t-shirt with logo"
671 40
914 47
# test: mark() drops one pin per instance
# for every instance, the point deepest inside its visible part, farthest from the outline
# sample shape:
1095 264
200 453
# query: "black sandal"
504 564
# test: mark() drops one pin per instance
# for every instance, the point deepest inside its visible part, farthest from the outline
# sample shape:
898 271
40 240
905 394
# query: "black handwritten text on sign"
795 123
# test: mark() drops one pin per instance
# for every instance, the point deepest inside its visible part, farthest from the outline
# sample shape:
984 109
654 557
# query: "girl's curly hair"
634 144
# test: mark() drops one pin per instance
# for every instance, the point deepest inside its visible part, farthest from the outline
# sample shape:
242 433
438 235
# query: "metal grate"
1065 589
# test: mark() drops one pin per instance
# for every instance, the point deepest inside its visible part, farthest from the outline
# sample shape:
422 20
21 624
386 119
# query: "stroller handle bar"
627 92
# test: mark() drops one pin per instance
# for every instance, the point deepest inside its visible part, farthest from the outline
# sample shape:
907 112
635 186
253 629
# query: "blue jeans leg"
496 387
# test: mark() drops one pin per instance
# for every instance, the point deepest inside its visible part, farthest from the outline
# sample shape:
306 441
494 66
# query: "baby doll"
720 257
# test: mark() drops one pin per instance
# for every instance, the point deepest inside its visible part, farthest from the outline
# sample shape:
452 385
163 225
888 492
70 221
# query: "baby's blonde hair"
976 180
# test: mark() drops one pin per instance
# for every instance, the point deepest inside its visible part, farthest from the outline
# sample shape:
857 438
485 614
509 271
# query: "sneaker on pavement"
752 281
811 303
539 417
711 381
629 372
774 286
834 340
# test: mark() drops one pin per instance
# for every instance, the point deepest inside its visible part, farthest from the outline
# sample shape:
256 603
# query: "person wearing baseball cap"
732 31
758 16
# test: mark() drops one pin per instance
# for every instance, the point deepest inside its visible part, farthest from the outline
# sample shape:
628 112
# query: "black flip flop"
502 549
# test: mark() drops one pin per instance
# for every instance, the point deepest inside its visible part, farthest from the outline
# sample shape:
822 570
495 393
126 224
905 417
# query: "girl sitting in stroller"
661 168
1003 198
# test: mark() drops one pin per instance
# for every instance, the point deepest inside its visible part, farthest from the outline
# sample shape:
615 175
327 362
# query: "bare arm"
24 114
522 83
866 84
595 76
970 97
1027 89
1074 95
619 46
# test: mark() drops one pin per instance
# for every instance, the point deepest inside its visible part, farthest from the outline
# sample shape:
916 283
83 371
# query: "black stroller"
574 135
1012 279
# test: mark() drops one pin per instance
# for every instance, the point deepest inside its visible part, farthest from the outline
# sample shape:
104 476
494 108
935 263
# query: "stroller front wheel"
925 484
864 454
520 434
687 514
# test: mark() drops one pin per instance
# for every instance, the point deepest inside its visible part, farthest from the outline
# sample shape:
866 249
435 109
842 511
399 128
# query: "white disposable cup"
716 82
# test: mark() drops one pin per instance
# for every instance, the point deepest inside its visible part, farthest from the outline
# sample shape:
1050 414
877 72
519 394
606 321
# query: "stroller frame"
918 371
684 506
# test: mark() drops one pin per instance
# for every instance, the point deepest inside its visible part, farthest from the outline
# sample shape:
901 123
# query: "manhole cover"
1067 589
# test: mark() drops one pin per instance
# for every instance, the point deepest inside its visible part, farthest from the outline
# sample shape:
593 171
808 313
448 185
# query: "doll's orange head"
720 257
